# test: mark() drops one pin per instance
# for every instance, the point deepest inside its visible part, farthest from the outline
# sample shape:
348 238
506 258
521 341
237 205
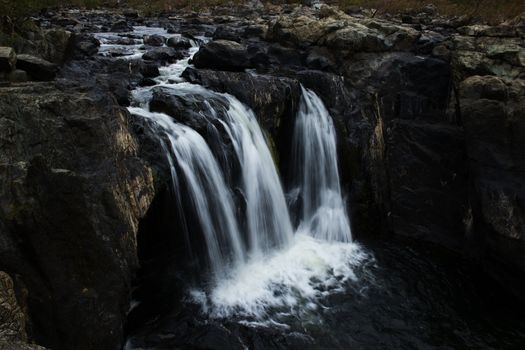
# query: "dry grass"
488 10
492 11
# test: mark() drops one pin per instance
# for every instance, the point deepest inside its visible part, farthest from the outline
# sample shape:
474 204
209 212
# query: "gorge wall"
429 111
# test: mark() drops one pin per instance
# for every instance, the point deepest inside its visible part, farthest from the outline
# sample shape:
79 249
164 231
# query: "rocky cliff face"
73 190
430 121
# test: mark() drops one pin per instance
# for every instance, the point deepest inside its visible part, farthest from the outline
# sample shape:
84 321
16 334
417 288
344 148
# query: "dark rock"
18 76
149 70
222 55
80 233
187 109
273 99
491 110
163 54
321 59
179 42
427 181
7 59
37 68
82 46
224 32
121 27
125 41
130 13
147 82
154 40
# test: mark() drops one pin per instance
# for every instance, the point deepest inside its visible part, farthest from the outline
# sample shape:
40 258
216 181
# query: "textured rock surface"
38 68
222 55
12 318
72 193
7 59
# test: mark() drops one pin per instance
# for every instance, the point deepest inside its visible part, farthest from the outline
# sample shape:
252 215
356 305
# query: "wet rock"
222 55
189 109
91 189
179 42
163 54
149 70
37 68
7 59
125 41
154 40
273 99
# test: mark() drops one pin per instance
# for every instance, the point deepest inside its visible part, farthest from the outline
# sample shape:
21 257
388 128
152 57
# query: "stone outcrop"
13 335
38 68
72 192
7 59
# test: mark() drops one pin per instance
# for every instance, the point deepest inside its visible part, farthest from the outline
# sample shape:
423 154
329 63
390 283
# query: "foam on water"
294 278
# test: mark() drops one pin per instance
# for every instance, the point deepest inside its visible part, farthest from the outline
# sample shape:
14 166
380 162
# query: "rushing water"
323 213
257 260
308 286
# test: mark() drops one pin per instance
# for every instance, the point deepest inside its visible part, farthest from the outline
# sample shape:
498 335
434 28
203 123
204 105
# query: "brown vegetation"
485 10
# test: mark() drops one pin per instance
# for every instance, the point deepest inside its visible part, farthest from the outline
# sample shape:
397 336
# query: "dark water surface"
409 296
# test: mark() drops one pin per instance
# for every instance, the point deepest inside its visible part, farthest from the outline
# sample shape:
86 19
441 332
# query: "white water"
323 213
203 177
259 264
269 224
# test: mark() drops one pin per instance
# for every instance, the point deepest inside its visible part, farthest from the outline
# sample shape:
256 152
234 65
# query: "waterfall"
269 224
224 169
322 210
208 192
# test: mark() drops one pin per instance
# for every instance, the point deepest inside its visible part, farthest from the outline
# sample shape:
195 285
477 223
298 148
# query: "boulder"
179 42
149 70
37 68
222 55
154 40
7 59
163 54
121 27
82 46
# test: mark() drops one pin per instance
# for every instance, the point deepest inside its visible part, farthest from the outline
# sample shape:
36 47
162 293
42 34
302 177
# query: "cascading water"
203 176
259 264
322 210
268 219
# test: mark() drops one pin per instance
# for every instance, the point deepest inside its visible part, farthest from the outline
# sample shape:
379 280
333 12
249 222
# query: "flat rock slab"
7 59
37 68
